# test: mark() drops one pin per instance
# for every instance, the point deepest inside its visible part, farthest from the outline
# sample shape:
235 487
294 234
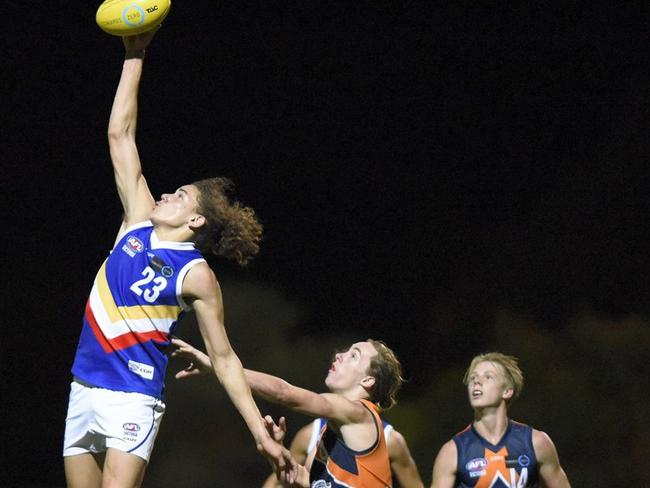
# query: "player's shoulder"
464 433
136 231
200 280
447 455
521 426
344 411
542 443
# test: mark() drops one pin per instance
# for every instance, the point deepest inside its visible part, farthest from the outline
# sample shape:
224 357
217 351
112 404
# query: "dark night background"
451 178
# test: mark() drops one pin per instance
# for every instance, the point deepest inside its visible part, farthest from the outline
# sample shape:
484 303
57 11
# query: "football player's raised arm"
132 188
201 288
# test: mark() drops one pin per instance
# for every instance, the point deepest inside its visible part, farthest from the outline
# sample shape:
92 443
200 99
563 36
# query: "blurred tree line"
585 387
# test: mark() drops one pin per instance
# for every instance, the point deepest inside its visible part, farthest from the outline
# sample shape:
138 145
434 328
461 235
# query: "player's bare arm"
550 470
132 188
300 443
202 290
444 467
329 405
277 390
402 463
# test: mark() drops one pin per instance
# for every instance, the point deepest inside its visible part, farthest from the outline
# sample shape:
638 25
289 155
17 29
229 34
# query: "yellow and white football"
129 17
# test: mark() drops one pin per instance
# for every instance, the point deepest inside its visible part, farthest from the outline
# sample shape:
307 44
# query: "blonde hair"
512 374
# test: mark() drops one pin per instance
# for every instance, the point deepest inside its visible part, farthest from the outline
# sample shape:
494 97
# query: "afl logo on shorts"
131 427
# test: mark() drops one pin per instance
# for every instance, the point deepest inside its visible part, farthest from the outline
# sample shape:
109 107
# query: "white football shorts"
98 419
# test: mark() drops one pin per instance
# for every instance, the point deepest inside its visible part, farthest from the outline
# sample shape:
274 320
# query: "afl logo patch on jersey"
133 246
476 467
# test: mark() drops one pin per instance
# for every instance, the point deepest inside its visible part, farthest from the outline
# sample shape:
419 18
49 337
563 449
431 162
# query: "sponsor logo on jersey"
133 246
141 369
131 427
520 461
160 266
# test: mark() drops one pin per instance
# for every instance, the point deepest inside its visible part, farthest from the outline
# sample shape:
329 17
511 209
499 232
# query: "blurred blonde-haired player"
495 450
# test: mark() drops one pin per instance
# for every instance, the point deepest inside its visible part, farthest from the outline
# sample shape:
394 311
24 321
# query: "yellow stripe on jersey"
116 314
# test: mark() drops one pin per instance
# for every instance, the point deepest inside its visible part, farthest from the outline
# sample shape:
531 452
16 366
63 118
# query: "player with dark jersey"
403 468
481 463
494 451
337 465
361 381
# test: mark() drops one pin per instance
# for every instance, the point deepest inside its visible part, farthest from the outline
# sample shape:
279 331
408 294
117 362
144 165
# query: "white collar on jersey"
156 243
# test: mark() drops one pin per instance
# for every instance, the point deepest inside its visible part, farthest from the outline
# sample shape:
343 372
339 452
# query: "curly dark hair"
231 230
387 371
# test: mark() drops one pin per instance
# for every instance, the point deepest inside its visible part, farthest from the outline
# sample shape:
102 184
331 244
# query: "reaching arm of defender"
550 471
277 390
132 188
402 463
444 467
199 361
202 289
329 405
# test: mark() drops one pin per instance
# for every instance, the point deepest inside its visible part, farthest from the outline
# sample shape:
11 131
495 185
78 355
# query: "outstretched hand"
136 44
291 474
282 462
276 431
199 361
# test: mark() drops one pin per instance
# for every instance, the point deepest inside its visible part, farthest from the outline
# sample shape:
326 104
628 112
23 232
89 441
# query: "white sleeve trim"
316 427
179 282
388 428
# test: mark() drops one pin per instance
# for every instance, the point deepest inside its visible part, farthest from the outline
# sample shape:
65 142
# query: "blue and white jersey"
132 311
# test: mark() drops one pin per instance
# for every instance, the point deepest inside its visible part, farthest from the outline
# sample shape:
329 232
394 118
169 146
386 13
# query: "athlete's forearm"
269 387
230 373
122 122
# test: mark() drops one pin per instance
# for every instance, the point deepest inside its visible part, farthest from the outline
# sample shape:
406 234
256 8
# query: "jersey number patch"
150 286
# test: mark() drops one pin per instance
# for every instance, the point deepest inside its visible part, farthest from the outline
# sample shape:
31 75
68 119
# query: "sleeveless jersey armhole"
179 282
